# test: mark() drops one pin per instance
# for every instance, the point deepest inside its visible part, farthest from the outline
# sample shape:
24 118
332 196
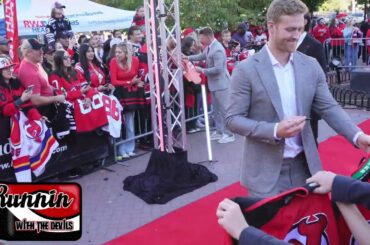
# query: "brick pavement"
109 212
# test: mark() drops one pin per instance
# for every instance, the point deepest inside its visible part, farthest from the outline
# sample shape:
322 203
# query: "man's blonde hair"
285 7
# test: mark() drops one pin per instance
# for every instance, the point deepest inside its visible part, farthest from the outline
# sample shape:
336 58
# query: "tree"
334 5
366 7
215 13
127 4
313 5
218 14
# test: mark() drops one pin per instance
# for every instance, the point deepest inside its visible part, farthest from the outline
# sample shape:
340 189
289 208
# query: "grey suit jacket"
254 107
216 71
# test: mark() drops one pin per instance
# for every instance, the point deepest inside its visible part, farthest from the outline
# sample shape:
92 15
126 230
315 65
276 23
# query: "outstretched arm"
356 222
230 217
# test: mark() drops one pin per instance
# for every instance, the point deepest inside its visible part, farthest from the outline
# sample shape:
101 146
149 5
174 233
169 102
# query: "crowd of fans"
344 39
65 82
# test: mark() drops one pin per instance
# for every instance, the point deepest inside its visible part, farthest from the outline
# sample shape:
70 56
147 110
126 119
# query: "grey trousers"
219 101
294 172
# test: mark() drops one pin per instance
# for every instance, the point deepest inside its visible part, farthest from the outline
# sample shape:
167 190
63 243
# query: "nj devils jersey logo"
34 130
311 230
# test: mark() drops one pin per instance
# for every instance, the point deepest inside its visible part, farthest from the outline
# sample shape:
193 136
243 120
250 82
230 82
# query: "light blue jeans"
129 146
351 54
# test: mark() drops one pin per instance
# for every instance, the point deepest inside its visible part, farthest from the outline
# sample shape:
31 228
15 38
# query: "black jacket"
311 47
54 27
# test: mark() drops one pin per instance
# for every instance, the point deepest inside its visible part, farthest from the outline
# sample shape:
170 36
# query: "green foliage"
218 14
126 4
334 5
313 5
363 1
215 13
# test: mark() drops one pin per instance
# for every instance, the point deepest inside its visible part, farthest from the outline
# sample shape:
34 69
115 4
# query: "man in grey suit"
218 80
271 96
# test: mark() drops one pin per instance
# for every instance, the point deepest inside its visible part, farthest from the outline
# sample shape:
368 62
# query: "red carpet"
340 156
196 223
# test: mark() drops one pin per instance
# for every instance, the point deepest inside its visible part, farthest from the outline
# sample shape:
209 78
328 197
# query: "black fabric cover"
168 175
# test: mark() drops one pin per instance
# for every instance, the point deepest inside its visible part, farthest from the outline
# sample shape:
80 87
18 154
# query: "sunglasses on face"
66 57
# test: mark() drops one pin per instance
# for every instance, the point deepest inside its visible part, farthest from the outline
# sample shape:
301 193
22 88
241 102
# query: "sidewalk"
109 212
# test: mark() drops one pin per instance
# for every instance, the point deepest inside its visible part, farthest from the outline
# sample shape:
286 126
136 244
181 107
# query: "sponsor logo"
41 212
60 149
5 149
4 166
39 26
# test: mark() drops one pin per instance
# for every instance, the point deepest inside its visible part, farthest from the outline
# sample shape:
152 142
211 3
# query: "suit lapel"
268 79
305 45
299 72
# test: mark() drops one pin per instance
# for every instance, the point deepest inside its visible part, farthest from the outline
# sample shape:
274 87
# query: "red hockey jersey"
89 118
104 110
295 216
32 145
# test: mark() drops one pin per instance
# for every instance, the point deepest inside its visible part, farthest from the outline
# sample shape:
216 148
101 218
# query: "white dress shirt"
286 83
301 38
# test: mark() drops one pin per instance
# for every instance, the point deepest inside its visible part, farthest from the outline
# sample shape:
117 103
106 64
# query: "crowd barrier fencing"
347 53
343 94
347 97
77 149
143 132
339 76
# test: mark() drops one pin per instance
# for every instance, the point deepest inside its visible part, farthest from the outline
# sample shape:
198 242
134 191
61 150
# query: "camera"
233 44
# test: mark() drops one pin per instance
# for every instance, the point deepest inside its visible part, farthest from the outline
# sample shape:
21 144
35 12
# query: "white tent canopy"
84 15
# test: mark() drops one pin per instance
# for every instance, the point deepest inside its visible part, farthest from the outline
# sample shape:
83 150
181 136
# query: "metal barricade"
144 132
349 53
340 76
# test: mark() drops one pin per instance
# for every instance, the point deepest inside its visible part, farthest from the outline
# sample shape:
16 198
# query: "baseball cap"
64 34
48 49
5 61
3 40
61 34
34 44
187 31
242 26
115 41
58 5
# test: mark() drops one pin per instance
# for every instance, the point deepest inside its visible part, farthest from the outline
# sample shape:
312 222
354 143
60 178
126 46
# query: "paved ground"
109 212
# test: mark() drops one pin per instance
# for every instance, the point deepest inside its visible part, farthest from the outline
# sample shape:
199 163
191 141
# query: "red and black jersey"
138 20
295 216
8 96
73 87
89 118
54 27
321 32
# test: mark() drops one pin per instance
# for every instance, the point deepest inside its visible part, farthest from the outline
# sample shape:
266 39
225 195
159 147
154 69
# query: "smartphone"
29 88
85 84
